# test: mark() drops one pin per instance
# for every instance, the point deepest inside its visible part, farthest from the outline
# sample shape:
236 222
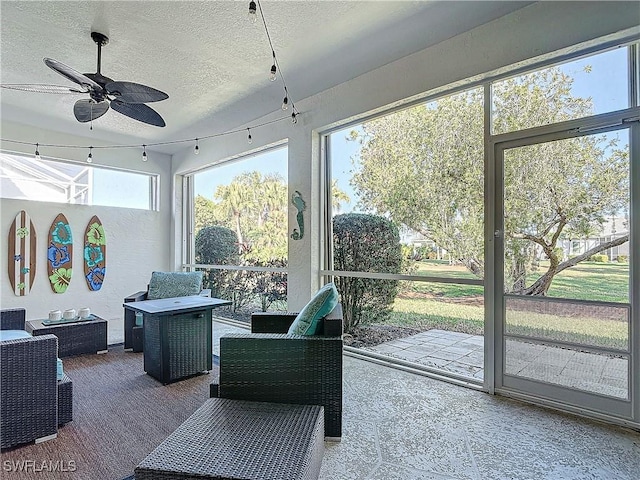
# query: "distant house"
613 228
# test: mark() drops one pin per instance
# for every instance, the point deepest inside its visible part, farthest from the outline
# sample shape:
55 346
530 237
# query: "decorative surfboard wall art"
22 254
95 254
60 254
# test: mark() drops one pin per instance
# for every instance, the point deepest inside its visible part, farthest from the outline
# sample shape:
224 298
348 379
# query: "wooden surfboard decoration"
60 254
22 254
95 254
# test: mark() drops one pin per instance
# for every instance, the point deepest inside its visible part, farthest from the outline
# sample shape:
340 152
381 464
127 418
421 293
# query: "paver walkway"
463 354
451 351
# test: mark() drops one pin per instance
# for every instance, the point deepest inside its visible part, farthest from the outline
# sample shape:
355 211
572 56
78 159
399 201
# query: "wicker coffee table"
235 439
76 338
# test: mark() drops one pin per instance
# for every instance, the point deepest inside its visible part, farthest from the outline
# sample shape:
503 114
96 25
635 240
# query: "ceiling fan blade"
44 88
129 92
87 110
71 74
138 111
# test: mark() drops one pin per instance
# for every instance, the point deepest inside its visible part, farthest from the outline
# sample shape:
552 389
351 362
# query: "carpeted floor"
120 414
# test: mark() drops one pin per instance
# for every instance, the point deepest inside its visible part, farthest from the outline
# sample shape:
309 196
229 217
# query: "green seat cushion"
59 369
321 305
174 284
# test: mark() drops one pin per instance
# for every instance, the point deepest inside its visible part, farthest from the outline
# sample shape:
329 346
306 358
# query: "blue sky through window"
606 83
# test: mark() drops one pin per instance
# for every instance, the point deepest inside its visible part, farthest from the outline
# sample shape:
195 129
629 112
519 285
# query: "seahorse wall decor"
300 205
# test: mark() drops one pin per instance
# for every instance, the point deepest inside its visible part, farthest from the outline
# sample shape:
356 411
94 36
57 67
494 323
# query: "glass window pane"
588 371
588 324
579 88
25 178
422 169
566 218
406 321
243 205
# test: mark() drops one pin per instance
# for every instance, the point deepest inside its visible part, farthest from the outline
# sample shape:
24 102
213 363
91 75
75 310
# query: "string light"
144 153
155 144
272 75
275 68
252 12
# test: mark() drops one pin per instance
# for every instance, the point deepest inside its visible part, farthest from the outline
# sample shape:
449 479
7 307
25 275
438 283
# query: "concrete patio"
398 425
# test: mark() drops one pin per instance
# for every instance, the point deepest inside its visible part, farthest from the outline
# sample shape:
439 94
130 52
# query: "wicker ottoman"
65 400
235 439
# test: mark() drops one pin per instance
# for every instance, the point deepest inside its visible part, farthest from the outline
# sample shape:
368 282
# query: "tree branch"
592 251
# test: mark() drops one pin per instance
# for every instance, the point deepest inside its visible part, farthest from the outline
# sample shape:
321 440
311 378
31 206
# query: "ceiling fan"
127 98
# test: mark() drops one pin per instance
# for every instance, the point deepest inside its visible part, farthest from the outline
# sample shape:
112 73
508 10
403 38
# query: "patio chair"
271 365
28 383
162 285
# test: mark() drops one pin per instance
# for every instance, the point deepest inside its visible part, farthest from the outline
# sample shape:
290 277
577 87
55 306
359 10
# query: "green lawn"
608 282
459 307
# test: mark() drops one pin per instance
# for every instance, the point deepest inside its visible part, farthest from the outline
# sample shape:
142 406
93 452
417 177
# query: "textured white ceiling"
210 59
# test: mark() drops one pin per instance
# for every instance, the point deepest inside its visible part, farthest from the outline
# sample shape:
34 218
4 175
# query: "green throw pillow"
321 305
174 284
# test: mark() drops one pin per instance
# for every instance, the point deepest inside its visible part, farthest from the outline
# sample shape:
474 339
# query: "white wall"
137 240
533 31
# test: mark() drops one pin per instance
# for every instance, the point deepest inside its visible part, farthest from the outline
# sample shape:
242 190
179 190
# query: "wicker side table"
76 338
235 439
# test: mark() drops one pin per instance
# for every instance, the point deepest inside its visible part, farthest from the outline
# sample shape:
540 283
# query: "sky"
606 83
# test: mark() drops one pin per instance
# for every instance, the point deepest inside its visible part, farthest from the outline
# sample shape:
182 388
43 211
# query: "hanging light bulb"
90 156
285 103
249 139
252 12
272 75
144 153
294 117
196 149
37 154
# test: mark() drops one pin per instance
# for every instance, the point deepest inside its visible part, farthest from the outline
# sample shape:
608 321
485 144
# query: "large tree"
423 167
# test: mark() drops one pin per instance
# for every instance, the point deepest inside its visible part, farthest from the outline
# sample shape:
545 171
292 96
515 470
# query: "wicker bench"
235 439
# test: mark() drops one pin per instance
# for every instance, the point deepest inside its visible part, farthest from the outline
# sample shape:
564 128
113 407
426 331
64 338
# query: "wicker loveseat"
33 402
269 365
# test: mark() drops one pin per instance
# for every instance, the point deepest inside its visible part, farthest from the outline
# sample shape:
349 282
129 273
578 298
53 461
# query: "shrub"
622 258
365 243
217 245
600 258
270 287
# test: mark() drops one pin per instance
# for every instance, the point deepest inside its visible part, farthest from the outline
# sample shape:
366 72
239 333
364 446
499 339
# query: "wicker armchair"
33 402
28 384
268 365
13 319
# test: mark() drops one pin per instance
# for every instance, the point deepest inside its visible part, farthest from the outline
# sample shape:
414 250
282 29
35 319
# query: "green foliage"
622 258
423 167
365 243
599 258
216 245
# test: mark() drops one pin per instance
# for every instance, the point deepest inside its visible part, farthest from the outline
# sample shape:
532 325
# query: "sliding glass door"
565 322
